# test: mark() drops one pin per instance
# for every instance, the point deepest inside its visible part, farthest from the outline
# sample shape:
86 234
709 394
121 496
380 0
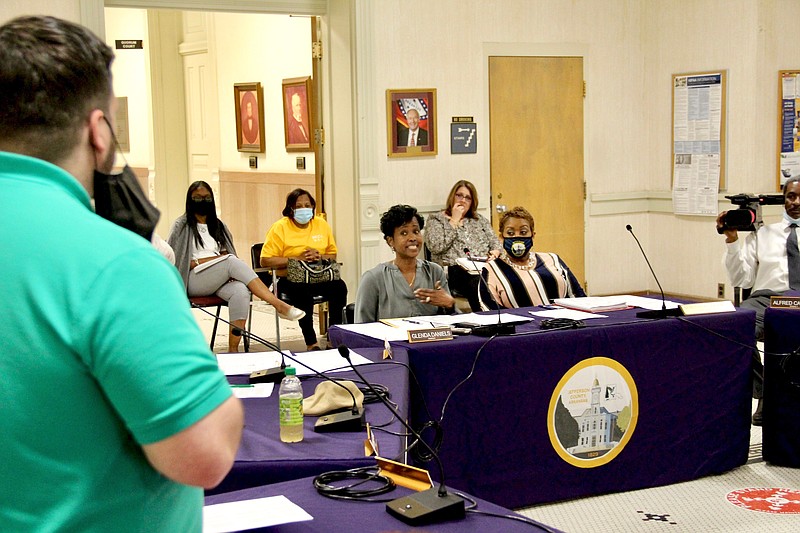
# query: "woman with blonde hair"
457 229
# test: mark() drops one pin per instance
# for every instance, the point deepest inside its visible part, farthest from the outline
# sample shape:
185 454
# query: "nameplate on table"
430 335
785 302
707 308
405 475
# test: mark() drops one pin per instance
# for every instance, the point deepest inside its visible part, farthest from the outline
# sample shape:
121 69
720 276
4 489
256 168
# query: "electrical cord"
381 391
471 372
418 452
721 336
422 454
473 508
323 484
370 396
561 323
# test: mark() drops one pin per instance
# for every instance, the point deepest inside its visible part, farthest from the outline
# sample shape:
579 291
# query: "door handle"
500 208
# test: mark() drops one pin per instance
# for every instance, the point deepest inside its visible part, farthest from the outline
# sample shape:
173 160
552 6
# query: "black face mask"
517 246
202 207
120 199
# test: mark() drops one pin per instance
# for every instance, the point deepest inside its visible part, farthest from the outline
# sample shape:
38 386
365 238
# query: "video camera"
748 216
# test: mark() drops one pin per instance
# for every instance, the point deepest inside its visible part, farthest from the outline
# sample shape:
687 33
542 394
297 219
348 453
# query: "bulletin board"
698 141
788 126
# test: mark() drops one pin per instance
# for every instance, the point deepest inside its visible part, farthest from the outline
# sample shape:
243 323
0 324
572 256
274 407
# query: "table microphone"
427 506
489 330
352 420
269 375
659 313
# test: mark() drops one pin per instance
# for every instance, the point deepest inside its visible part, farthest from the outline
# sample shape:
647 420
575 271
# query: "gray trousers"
227 279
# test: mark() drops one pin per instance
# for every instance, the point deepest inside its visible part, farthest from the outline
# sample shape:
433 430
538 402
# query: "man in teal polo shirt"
113 412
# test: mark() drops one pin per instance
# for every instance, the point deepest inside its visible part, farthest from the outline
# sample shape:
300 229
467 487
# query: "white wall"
750 40
266 49
249 48
632 48
131 71
452 38
69 9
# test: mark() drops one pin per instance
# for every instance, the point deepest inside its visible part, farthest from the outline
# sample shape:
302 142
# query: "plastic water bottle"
290 407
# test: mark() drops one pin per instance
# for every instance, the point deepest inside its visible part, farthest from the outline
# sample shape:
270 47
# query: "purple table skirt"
693 380
262 457
781 429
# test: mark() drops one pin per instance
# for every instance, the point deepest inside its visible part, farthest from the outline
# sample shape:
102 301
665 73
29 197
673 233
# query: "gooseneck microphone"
660 313
269 375
352 420
489 330
428 506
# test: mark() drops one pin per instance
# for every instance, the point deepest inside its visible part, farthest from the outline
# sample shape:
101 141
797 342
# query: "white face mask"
791 220
303 215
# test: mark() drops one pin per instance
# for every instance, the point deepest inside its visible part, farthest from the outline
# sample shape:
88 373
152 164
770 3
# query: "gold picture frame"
249 105
400 127
298 124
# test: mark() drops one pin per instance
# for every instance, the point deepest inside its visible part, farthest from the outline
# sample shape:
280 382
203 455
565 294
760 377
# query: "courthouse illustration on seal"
593 412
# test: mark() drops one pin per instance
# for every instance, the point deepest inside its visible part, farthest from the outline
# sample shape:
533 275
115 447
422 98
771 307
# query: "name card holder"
430 335
707 308
785 302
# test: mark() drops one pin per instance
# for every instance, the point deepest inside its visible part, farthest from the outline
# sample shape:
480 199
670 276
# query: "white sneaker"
293 314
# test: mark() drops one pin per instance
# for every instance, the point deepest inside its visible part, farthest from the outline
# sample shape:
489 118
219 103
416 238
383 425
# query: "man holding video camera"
768 261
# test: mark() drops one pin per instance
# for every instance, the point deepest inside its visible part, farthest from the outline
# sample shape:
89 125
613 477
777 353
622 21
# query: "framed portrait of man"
297 121
249 99
411 122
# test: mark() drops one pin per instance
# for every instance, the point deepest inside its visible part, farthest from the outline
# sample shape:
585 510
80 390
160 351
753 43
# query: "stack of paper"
594 304
470 265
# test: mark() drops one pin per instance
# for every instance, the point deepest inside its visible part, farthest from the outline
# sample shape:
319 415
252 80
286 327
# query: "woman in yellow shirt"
305 236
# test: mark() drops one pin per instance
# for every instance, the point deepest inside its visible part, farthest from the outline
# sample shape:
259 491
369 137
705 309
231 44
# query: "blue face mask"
789 219
303 215
517 246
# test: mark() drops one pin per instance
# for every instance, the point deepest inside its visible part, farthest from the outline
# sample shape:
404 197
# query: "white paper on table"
572 314
234 364
250 514
326 361
648 303
377 330
418 322
254 390
593 304
486 319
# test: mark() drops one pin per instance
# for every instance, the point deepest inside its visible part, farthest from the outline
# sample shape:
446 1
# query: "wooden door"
536 142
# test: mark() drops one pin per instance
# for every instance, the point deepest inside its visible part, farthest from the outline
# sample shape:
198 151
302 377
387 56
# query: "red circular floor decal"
777 501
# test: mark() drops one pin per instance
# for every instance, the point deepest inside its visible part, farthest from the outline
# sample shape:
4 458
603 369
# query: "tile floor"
693 506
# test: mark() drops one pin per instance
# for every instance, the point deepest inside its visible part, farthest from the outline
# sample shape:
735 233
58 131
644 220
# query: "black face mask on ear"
120 199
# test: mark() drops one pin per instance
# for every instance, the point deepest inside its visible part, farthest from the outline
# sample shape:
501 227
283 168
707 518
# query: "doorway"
536 147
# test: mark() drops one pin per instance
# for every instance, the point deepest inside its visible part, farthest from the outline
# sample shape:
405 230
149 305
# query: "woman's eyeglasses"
199 199
464 197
